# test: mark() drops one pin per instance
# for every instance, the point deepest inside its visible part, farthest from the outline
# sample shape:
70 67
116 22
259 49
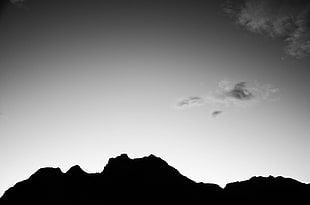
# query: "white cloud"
239 94
230 94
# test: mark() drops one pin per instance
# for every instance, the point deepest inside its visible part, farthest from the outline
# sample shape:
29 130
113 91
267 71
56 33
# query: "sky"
218 89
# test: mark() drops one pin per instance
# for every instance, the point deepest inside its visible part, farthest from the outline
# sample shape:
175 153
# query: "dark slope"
148 180
268 190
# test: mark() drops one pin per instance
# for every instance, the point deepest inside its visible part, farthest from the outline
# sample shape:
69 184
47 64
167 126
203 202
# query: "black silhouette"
148 180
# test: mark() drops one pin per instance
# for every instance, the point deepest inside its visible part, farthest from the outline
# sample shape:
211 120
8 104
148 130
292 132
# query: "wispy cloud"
190 102
19 3
229 94
288 20
216 113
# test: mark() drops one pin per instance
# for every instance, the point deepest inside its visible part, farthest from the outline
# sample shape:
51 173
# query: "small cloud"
216 113
230 94
287 20
240 92
190 102
18 3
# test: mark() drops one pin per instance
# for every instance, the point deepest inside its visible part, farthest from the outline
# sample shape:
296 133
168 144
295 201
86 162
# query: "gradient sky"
83 81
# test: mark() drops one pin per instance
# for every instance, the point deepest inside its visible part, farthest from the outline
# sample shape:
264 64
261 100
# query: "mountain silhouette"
147 180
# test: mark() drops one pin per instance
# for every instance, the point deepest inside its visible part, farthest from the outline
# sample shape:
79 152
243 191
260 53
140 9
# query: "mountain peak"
152 161
46 172
75 170
124 163
150 169
153 157
121 158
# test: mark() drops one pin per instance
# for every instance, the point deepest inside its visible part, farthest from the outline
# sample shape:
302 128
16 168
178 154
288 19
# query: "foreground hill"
148 180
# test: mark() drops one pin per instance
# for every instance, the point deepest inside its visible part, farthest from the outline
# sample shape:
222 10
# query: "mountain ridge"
125 180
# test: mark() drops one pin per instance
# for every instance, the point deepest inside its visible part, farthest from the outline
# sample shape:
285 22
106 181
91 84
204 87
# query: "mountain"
147 180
